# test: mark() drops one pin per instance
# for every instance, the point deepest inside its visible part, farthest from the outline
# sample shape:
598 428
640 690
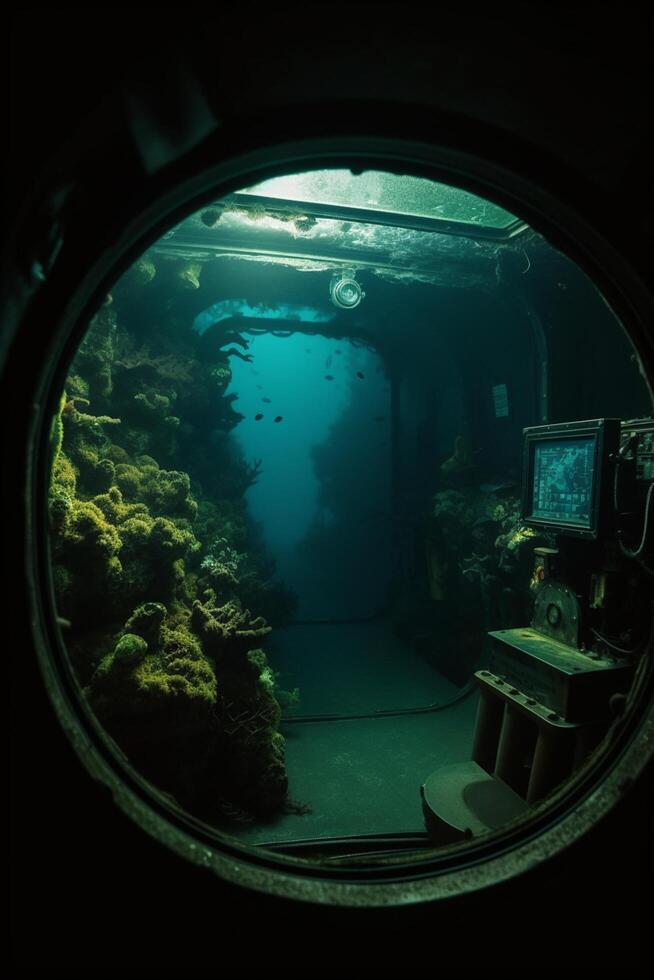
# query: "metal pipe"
340 212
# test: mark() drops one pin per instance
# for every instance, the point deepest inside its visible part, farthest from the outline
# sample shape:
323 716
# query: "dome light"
344 291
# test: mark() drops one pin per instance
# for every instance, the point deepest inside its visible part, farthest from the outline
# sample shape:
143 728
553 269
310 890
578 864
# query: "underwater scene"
285 499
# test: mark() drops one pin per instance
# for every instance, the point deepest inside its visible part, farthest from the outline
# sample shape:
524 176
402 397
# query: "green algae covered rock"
169 541
158 700
251 757
89 539
95 354
146 621
130 649
140 493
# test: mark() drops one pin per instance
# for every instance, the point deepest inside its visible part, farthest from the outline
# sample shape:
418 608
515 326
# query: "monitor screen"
563 485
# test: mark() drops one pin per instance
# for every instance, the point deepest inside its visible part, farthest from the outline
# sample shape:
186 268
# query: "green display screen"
563 487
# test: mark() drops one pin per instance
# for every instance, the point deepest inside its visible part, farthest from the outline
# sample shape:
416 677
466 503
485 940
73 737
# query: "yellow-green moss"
164 678
135 532
90 534
130 649
57 431
170 541
126 532
180 678
63 473
115 510
116 453
128 479
146 621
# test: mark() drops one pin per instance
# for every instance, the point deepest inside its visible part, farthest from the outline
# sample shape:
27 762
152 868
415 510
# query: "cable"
428 709
629 552
622 452
614 646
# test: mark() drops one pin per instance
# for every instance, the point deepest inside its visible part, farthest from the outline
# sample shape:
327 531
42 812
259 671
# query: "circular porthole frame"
572 811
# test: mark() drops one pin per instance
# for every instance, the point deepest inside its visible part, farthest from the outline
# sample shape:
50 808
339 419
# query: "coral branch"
227 631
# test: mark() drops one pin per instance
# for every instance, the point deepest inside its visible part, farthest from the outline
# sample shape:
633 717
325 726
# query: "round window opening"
349 532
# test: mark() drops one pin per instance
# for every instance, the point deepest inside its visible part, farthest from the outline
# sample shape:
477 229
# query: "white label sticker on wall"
501 401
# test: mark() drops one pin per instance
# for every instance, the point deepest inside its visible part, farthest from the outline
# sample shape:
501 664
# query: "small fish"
259 387
278 418
266 400
307 350
254 372
329 377
258 416
328 362
338 352
497 487
360 374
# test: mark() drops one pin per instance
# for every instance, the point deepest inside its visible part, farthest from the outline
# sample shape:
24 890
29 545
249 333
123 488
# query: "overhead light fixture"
344 291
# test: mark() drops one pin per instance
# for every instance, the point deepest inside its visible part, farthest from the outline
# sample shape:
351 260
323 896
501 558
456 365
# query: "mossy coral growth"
149 545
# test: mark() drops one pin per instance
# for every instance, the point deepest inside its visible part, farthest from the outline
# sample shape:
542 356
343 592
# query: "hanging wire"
427 709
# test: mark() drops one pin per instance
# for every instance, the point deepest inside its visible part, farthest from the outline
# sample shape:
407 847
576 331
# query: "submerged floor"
361 776
353 668
364 776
